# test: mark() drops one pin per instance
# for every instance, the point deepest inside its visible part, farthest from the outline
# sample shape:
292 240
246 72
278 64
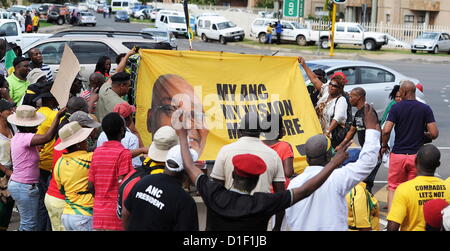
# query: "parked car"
154 13
100 9
122 16
82 7
351 33
12 32
59 14
18 8
292 31
85 18
432 42
173 21
377 80
43 9
162 35
219 28
142 14
88 46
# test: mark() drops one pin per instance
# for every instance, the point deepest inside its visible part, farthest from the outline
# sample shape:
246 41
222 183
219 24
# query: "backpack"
338 134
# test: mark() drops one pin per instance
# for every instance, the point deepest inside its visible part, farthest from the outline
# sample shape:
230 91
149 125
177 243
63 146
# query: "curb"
351 56
55 28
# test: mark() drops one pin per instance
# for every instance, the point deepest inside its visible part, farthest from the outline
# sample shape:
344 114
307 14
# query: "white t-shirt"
339 108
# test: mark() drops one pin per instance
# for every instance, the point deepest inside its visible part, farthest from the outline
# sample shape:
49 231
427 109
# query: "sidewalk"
55 28
324 54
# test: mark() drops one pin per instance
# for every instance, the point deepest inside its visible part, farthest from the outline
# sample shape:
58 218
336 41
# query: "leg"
44 223
55 207
27 201
396 174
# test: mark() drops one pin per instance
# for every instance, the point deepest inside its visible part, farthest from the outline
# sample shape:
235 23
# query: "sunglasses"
334 85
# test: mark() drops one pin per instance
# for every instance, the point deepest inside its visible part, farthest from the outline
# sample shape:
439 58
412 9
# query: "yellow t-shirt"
409 197
156 167
363 209
71 176
35 20
269 29
46 158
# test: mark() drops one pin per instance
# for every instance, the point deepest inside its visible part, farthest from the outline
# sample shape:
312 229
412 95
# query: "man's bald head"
408 87
428 158
359 91
96 80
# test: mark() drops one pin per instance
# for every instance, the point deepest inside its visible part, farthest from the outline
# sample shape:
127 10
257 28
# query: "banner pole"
188 26
333 23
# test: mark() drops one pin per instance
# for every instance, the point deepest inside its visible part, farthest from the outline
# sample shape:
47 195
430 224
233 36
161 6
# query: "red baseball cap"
248 165
340 74
432 212
124 109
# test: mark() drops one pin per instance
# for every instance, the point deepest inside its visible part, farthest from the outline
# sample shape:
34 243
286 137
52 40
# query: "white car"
82 7
292 31
432 42
219 28
377 80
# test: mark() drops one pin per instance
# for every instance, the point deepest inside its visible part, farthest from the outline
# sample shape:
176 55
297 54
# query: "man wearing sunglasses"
111 92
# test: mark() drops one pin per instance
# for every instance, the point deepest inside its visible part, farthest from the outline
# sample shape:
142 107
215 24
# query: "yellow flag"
218 89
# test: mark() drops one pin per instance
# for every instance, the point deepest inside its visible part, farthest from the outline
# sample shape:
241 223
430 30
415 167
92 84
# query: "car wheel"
60 21
324 43
93 25
141 17
301 40
222 40
413 51
262 38
370 45
204 37
436 50
448 52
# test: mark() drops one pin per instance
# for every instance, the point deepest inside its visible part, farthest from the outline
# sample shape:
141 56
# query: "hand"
301 60
8 172
94 96
327 134
384 149
370 118
61 113
178 123
341 154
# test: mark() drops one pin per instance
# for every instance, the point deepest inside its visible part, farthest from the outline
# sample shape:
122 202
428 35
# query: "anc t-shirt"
46 159
363 209
410 118
71 177
159 203
409 197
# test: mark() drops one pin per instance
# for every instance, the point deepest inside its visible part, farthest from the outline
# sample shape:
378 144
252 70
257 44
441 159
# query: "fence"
400 35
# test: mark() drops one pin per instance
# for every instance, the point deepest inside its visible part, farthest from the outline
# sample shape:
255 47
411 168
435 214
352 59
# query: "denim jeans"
75 222
27 201
44 223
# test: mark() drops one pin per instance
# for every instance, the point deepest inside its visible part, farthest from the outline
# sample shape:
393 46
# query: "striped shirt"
110 161
48 72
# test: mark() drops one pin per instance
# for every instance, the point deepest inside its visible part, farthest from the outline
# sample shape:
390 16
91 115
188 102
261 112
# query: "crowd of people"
84 167
28 21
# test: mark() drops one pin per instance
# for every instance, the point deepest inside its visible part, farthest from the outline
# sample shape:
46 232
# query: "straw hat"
72 134
26 116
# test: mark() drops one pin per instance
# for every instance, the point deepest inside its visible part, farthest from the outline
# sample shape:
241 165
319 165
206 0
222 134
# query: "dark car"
122 16
59 14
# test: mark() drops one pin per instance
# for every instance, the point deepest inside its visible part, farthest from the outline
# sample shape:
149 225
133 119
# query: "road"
435 78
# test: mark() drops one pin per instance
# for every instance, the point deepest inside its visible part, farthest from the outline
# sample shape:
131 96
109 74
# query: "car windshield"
226 25
428 36
297 25
158 33
177 19
313 67
362 28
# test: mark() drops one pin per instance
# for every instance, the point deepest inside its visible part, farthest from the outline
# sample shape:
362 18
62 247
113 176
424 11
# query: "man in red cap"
131 141
236 208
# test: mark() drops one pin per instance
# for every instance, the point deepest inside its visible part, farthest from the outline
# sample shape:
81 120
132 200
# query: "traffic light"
339 1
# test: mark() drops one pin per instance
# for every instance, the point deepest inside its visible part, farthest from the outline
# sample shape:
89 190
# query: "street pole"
333 23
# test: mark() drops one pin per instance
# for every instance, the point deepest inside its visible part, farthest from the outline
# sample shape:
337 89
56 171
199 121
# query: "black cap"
43 95
5 105
18 60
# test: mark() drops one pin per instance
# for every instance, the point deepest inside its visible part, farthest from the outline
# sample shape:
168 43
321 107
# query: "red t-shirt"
109 161
52 188
284 150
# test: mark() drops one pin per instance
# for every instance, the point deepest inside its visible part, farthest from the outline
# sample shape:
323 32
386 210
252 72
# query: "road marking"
446 100
444 96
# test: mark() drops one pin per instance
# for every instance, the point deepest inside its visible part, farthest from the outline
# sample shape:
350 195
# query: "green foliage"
5 4
203 2
265 4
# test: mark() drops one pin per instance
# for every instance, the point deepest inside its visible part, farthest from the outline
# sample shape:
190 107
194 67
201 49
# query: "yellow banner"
221 88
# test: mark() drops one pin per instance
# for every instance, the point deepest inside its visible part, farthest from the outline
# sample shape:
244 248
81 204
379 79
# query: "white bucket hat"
26 116
164 139
72 134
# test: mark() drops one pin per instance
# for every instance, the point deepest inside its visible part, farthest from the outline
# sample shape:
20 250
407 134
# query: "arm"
125 217
192 171
312 77
123 62
393 226
5 170
348 137
92 101
288 167
138 151
277 188
386 135
433 131
41 139
314 183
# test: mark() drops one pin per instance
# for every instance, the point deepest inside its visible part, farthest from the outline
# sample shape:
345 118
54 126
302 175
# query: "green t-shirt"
17 87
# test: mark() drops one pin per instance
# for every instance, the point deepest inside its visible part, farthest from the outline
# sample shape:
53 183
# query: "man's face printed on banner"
172 92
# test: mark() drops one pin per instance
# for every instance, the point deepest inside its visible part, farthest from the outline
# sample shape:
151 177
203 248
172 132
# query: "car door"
11 33
354 35
288 31
378 84
88 53
339 34
446 42
214 32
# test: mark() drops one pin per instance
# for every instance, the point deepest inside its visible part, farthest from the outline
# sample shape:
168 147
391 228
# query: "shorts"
402 167
35 28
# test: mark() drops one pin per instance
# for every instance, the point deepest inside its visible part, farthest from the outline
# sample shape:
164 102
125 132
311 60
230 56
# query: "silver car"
85 18
377 80
162 35
433 42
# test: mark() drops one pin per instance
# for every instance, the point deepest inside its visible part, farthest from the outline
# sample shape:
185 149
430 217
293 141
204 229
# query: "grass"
146 21
44 23
339 49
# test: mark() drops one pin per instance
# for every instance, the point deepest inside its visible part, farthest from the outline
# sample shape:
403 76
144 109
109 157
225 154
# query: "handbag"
338 134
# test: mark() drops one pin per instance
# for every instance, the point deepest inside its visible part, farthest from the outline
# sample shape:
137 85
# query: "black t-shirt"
358 122
232 211
159 203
